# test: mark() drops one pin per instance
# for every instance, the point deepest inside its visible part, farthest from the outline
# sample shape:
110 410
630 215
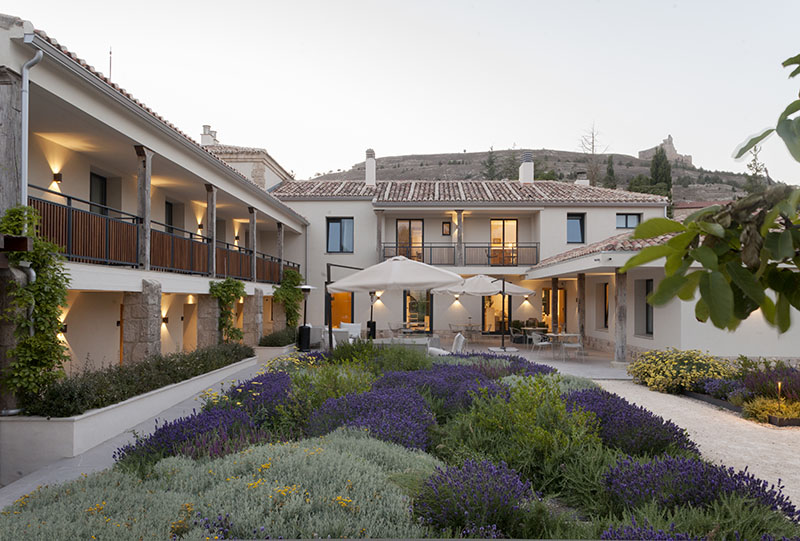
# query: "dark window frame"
605 305
339 220
100 182
447 229
628 216
169 216
648 310
581 217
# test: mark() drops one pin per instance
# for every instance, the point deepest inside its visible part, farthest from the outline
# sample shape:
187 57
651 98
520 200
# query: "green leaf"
745 280
782 316
706 257
701 311
712 229
717 293
655 227
686 293
702 212
768 310
682 241
789 131
785 245
667 290
744 148
673 264
646 255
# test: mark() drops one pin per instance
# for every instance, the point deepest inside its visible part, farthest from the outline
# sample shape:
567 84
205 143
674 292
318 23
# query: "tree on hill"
490 169
590 145
643 184
660 170
610 180
510 167
755 179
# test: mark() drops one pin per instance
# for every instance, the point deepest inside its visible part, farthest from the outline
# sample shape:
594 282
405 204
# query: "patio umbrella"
485 286
396 273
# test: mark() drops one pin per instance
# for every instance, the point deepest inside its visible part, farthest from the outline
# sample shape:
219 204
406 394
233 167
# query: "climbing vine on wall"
39 355
227 292
290 296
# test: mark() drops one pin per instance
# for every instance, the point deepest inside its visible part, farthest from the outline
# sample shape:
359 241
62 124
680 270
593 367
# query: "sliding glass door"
504 242
410 239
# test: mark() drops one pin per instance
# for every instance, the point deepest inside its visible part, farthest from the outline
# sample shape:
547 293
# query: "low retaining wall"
30 443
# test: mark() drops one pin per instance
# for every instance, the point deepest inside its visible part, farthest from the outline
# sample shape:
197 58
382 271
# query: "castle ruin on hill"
669 149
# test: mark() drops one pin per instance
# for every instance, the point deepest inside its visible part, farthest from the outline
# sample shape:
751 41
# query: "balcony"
474 254
97 234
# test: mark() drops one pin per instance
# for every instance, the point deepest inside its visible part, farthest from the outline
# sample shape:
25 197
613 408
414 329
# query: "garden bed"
783 421
29 443
707 398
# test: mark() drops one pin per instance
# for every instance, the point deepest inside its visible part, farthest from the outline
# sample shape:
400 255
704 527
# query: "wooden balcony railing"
85 231
431 253
177 250
233 261
268 268
492 255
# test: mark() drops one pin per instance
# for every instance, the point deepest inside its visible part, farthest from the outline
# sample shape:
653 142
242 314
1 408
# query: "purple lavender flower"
645 531
628 427
487 364
765 382
396 415
671 481
722 388
478 498
260 395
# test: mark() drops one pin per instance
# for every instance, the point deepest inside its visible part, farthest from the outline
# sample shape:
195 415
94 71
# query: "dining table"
559 339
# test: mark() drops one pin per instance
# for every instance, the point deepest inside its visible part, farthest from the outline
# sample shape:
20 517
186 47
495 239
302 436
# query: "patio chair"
353 330
539 342
516 336
459 343
577 347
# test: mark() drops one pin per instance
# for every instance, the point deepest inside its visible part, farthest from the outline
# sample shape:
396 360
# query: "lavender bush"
495 366
628 427
722 388
765 382
671 481
645 531
477 498
397 415
260 395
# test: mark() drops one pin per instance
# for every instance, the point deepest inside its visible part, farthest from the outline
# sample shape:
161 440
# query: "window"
98 194
602 306
575 228
410 239
644 311
445 229
340 235
628 221
503 235
168 216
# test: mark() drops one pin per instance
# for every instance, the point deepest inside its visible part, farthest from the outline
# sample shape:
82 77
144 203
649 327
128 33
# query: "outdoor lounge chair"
459 343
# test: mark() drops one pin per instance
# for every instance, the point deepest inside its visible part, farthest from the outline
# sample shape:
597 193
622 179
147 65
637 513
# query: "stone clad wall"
141 315
207 321
253 318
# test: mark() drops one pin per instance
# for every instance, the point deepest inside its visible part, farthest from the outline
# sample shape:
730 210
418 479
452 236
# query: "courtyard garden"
391 443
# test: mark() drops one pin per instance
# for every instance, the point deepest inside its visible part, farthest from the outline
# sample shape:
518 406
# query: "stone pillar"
620 317
141 328
554 305
252 244
459 238
207 321
379 230
253 317
280 247
278 316
211 228
10 140
8 340
582 305
145 169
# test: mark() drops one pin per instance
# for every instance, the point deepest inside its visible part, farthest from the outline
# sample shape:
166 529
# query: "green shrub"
565 382
760 408
334 486
284 337
400 358
583 478
674 370
101 388
357 352
531 431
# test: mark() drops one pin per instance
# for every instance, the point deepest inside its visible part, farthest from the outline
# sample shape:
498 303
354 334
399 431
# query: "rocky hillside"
690 183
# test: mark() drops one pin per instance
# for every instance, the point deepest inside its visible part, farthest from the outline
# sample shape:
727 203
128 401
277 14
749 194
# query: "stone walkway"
769 452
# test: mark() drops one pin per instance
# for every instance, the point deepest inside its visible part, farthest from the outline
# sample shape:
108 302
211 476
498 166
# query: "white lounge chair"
577 347
353 330
459 343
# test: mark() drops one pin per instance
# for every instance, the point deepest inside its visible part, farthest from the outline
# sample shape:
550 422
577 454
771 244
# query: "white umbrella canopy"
483 286
396 273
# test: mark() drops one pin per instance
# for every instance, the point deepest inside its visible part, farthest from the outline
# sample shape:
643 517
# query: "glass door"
547 306
341 308
418 310
410 239
503 247
495 312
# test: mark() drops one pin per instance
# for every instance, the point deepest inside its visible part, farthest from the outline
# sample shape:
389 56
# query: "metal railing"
177 250
433 253
233 261
87 232
268 268
492 255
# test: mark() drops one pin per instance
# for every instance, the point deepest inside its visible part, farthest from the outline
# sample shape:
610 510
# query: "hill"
690 183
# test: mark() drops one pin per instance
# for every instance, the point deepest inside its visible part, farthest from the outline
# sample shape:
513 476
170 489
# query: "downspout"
26 67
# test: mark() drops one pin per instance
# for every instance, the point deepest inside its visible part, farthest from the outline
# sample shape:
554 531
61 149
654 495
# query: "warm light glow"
190 299
456 296
378 294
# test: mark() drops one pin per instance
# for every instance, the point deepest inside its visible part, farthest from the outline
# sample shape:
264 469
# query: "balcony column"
207 321
10 140
582 305
554 305
379 229
141 316
459 238
620 317
145 169
211 228
252 244
280 247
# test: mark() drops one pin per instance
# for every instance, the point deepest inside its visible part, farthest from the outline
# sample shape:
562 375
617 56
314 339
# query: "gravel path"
769 452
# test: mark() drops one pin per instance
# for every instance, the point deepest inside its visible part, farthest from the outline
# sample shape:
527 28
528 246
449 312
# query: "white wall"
92 332
172 332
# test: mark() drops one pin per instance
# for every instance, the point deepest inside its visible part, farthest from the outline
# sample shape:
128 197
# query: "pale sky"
318 82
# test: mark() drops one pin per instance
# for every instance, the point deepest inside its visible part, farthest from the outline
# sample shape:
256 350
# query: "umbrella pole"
330 309
503 312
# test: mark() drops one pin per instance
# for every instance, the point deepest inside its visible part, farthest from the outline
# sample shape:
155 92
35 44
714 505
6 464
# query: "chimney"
581 179
208 137
370 167
526 168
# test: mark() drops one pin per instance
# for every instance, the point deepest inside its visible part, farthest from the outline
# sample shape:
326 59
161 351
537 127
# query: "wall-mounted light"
526 297
456 296
57 177
63 329
165 319
378 294
200 227
236 237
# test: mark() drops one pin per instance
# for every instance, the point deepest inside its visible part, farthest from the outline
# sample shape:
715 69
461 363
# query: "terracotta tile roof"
494 192
618 243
